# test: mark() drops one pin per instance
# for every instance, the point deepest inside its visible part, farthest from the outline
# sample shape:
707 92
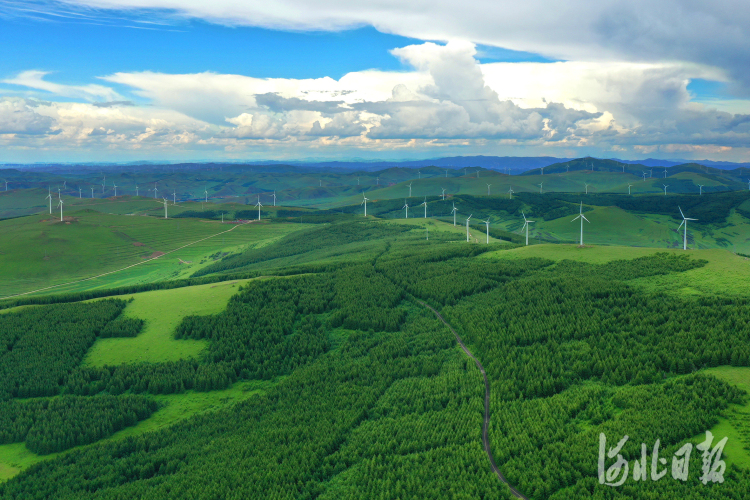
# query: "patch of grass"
736 423
162 310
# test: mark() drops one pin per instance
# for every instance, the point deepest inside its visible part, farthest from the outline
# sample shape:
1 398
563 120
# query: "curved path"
486 425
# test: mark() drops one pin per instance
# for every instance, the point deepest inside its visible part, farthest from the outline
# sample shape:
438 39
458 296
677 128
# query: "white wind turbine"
92 191
274 196
487 223
567 168
477 174
629 186
488 189
410 190
59 196
425 207
357 181
259 204
510 192
665 173
377 181
165 208
526 223
467 228
540 187
587 187
651 172
406 206
6 184
623 168
49 195
155 190
644 176
583 218
136 189
80 195
665 189
701 189
454 212
542 170
174 197
60 204
446 172
364 201
205 193
443 193
420 173
115 186
104 183
684 221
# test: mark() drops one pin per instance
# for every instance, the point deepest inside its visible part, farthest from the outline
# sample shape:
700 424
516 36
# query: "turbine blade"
681 223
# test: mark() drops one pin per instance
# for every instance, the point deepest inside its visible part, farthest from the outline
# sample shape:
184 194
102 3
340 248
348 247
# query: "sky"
128 80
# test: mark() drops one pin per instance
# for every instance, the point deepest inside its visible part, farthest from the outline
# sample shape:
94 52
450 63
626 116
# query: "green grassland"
736 423
39 252
162 310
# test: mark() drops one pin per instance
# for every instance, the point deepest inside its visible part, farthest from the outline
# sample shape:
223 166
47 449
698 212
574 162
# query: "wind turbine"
49 195
665 189
205 193
60 204
155 190
357 181
684 221
623 168
364 201
321 182
165 208
259 204
651 172
454 211
410 190
540 187
425 207
443 193
701 189
467 228
477 174
567 168
665 173
488 189
487 223
377 181
104 182
583 218
115 186
526 223
510 192
59 197
446 172
587 187
65 184
174 197
406 206
6 184
274 197
629 186
420 173
644 176
136 189
92 191
79 192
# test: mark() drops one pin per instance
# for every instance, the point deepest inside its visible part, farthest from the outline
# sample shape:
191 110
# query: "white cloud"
713 33
17 116
35 79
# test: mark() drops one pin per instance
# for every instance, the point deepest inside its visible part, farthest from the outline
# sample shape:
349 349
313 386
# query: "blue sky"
123 79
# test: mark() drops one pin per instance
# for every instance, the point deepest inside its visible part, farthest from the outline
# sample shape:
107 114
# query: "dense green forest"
371 396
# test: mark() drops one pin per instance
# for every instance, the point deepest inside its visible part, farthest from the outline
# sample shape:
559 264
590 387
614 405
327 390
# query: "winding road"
486 425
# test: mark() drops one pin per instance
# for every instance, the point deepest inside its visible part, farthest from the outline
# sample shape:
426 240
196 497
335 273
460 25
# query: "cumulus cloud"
18 117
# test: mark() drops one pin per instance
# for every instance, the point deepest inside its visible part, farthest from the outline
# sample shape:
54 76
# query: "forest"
371 396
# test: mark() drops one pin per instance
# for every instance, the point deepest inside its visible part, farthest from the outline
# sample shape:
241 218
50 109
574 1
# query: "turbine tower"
274 195
60 204
587 187
526 223
542 170
644 176
488 189
205 193
665 173
540 187
425 207
454 211
364 201
487 223
92 191
684 221
629 186
79 192
583 218
510 192
665 189
443 193
259 204
136 189
406 206
174 197
115 186
467 228
104 182
446 172
155 190
165 208
49 195
701 189
410 190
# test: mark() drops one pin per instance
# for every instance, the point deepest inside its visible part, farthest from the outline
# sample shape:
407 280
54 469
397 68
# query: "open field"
736 423
162 310
39 252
